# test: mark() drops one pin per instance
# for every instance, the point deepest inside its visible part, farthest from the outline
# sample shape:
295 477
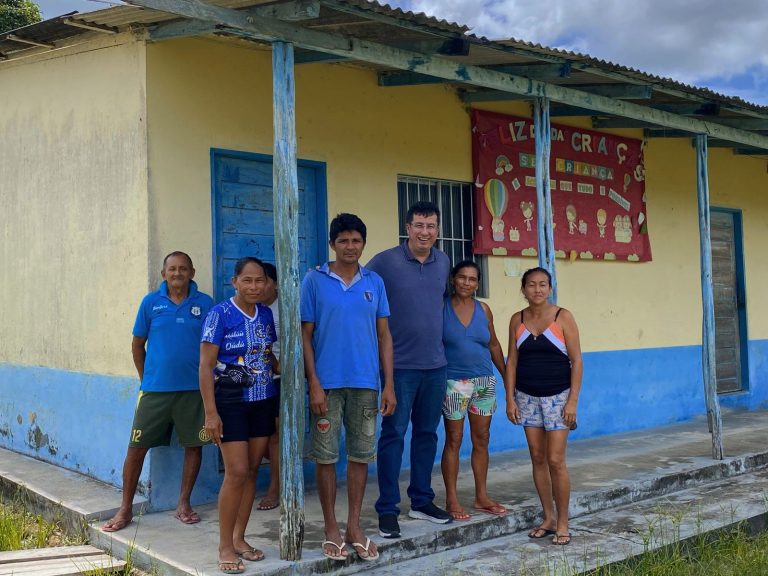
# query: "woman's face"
537 288
250 283
465 281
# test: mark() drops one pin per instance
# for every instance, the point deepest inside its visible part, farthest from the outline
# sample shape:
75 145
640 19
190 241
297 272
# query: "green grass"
19 530
728 553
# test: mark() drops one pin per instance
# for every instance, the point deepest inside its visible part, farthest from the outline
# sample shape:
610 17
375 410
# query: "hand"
513 412
317 399
388 400
569 414
214 428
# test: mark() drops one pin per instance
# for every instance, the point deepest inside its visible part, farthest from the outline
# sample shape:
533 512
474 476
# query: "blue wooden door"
242 213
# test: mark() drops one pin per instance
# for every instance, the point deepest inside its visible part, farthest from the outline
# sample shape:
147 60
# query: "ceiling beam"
90 26
311 57
266 29
295 10
667 133
21 40
537 71
618 91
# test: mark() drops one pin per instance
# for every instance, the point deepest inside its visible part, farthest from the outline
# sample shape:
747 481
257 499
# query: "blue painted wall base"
81 421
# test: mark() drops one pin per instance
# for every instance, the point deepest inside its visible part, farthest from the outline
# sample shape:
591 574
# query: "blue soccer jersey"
242 341
173 339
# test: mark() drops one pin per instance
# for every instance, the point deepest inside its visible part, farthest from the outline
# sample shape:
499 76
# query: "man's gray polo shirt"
415 291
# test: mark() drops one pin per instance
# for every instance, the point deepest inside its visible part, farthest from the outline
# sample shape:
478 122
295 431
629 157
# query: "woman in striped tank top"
542 381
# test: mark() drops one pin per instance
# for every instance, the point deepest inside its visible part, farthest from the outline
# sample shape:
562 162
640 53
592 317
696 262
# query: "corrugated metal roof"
370 20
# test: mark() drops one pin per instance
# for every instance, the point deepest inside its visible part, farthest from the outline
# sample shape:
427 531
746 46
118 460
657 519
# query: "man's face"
178 272
348 247
422 232
270 291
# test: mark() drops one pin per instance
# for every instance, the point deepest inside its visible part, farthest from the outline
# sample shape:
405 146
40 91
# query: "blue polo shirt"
345 340
173 339
416 291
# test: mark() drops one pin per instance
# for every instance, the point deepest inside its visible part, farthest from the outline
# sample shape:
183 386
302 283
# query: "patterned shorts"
542 411
476 395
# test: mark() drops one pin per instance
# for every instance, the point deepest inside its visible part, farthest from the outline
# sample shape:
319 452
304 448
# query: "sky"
716 44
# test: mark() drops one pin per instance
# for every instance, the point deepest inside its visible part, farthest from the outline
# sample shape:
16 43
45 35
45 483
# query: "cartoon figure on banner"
627 182
527 209
570 214
582 227
622 229
642 225
514 235
503 165
602 218
496 201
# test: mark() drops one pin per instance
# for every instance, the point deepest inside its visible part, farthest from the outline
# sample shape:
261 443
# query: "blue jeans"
419 396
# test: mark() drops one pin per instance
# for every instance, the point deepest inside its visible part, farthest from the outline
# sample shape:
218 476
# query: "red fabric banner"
597 184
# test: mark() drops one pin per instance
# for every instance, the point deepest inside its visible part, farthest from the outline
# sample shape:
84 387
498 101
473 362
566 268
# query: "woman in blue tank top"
472 350
542 381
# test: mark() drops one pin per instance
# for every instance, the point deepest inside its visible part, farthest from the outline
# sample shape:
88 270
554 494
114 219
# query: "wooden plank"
64 566
709 362
286 223
43 553
265 29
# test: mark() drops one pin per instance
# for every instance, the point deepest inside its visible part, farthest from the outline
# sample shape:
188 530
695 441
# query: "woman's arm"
510 372
208 355
573 344
494 346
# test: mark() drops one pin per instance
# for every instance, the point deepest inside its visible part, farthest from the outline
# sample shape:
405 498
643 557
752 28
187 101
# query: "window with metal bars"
454 199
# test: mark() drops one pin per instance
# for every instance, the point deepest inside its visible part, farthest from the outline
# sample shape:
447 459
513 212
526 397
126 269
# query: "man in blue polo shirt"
166 353
346 340
415 275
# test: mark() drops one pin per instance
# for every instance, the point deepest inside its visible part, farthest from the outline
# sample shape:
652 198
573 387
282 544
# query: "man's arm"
388 399
317 402
139 353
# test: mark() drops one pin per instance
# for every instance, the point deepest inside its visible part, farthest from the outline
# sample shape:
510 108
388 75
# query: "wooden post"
707 300
545 234
286 214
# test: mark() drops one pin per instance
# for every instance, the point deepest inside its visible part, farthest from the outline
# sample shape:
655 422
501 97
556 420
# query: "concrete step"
613 535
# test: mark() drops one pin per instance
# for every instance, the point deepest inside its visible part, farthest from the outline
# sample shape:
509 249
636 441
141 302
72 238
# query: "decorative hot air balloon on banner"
496 201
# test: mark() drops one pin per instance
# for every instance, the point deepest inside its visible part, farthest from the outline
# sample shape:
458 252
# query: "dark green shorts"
158 413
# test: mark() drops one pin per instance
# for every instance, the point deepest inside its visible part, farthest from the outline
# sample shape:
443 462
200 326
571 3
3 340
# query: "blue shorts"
542 411
244 420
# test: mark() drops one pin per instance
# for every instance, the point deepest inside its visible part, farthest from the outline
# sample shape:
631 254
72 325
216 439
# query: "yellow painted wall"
74 207
205 93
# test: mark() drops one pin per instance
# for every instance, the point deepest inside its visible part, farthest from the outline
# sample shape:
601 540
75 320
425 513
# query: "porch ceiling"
584 85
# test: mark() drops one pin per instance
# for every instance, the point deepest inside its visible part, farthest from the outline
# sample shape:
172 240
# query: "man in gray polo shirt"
415 276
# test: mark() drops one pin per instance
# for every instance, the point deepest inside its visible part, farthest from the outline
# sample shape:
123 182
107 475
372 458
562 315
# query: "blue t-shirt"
173 339
466 347
345 339
415 291
244 341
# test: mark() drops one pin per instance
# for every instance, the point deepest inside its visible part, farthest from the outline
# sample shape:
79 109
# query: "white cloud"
702 42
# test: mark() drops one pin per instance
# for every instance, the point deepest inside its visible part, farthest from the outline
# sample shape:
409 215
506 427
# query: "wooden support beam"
618 91
442 46
666 133
491 96
749 152
311 57
566 110
285 199
544 217
21 40
538 71
375 53
689 108
289 11
90 26
707 299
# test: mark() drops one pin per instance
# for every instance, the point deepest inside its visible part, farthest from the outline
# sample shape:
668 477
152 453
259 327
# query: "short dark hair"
177 253
270 270
422 208
527 273
345 222
465 264
240 264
